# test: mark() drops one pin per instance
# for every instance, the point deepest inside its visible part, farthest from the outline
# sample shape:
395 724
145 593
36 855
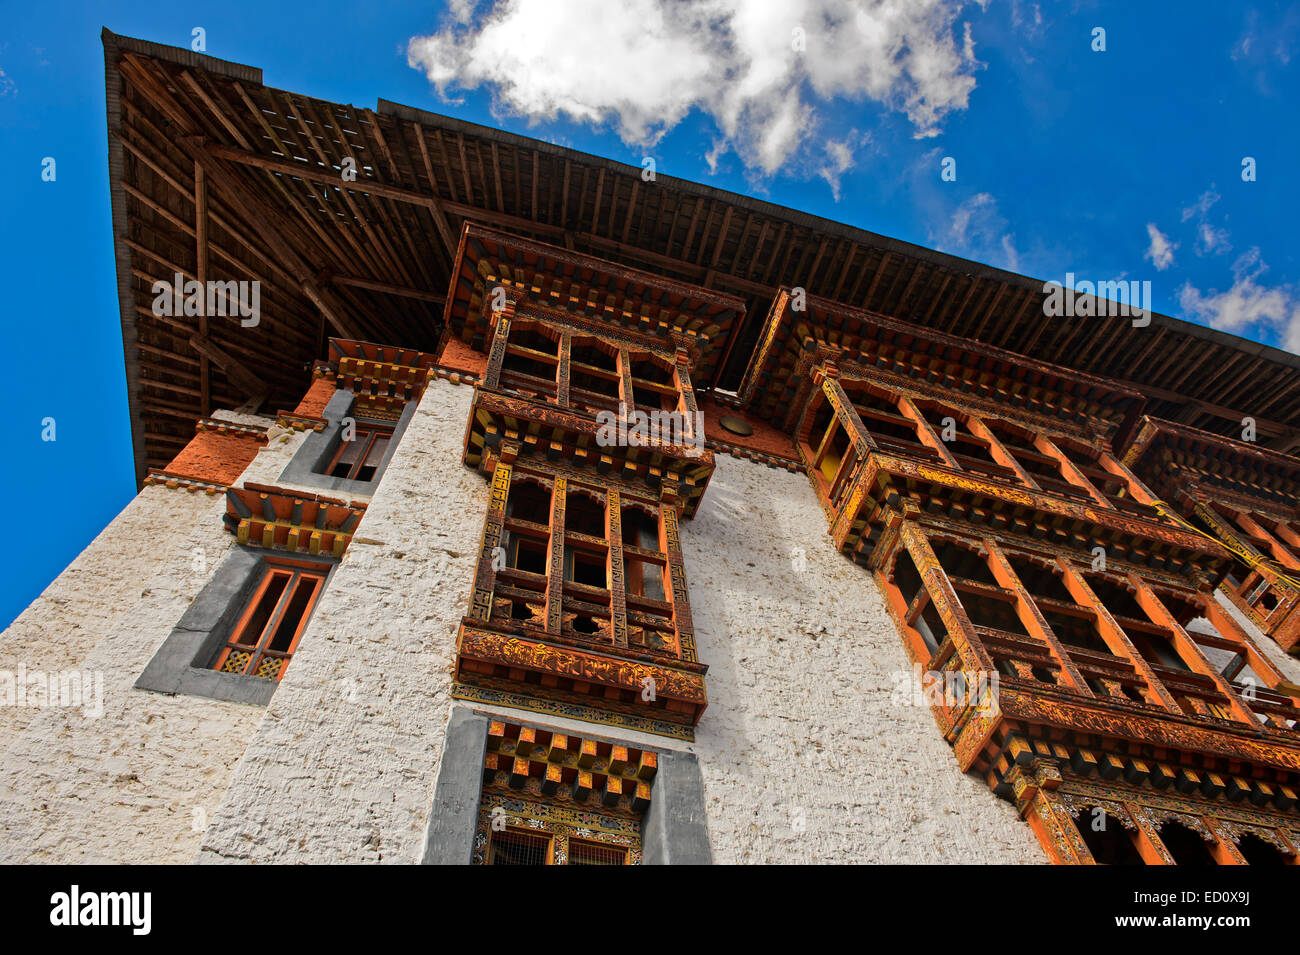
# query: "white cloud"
644 65
1247 304
1209 240
1161 250
841 156
1202 205
978 230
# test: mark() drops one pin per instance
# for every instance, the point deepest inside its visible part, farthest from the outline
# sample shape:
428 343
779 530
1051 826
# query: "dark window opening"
529 555
267 633
359 459
529 501
640 529
585 568
1117 599
592 370
583 515
644 578
1185 845
910 584
1112 844
1260 851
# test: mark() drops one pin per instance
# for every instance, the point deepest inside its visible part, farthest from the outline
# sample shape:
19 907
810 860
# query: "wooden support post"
626 396
1070 471
565 371
926 433
998 451
201 274
974 658
1186 648
1149 846
671 545
1224 848
687 406
1253 656
489 548
555 558
500 342
1032 618
1113 635
615 571
1280 552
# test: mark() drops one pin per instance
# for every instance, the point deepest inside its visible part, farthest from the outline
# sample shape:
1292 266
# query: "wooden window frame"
1173 690
372 433
299 574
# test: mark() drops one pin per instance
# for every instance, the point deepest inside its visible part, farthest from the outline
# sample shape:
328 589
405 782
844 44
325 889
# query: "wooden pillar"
1149 846
1280 552
1186 648
500 338
844 410
998 451
1113 635
555 558
974 658
687 406
1032 618
1224 849
1250 652
926 433
1032 785
626 394
615 570
1070 470
485 577
565 370
1137 490
201 274
672 548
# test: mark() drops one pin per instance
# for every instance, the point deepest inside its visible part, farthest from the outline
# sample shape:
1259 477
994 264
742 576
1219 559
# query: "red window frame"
365 438
287 592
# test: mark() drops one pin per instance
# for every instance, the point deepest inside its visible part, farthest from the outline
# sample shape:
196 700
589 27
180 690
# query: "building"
529 511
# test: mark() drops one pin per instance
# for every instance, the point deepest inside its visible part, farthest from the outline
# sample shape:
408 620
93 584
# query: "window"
1107 839
269 629
1185 845
582 852
517 847
359 459
1257 851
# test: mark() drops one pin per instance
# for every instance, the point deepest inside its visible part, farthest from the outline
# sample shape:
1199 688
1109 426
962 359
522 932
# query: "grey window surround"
309 462
674 830
182 664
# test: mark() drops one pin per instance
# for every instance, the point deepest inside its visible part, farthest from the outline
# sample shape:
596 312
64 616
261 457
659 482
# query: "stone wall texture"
342 768
139 782
808 751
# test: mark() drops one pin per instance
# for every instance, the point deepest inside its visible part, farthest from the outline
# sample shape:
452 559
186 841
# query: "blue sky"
1123 163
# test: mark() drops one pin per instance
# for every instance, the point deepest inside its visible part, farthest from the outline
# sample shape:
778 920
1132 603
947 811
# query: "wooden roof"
955 366
1170 456
217 176
588 286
